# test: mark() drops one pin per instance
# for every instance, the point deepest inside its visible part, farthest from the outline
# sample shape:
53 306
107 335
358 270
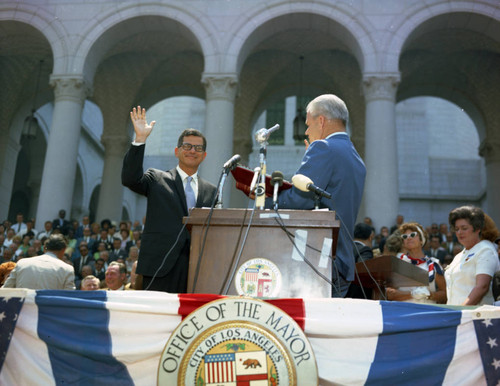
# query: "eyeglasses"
188 146
411 235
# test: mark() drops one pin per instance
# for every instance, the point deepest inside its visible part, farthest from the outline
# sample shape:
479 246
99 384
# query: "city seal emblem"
238 341
258 278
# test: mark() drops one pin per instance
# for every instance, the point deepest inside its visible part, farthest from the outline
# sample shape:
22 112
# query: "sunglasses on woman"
412 235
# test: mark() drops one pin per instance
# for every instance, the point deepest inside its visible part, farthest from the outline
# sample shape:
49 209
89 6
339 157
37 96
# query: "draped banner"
108 337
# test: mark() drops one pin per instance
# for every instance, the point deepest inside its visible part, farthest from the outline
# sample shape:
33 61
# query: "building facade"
240 57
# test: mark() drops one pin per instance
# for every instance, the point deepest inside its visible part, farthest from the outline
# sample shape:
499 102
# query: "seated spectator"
125 238
134 241
363 236
101 247
95 229
31 252
9 239
30 230
436 250
90 283
100 269
105 238
443 232
46 232
5 269
8 255
84 259
414 238
88 239
84 225
394 245
87 270
46 271
70 238
399 221
117 252
116 277
37 244
19 227
132 258
16 247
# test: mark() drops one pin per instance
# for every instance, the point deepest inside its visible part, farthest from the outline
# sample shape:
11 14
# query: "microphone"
256 173
231 163
277 181
262 135
305 184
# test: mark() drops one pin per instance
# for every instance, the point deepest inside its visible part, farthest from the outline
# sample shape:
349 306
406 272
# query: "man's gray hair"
330 106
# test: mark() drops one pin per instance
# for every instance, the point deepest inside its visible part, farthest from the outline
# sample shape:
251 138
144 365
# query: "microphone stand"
221 187
260 191
317 199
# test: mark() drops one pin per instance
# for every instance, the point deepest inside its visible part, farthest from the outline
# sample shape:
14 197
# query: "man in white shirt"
19 227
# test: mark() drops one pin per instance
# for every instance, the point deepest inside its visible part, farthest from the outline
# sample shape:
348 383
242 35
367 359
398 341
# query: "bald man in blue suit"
334 165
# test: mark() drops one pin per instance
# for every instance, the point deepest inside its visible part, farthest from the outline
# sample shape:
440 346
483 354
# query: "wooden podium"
266 240
389 271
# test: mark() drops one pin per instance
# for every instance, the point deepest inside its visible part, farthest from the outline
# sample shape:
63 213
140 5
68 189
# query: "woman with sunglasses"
468 277
414 237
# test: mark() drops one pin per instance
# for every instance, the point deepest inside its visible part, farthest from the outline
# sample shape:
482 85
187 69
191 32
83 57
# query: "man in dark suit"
136 236
164 254
436 250
61 223
116 251
333 164
363 238
85 258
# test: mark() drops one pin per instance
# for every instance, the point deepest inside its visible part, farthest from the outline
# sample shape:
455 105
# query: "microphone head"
261 136
231 163
301 182
277 177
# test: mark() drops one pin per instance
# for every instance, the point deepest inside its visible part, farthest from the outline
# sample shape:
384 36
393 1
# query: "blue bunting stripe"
75 330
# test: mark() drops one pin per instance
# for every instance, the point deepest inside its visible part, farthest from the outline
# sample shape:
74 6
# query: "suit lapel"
204 196
180 189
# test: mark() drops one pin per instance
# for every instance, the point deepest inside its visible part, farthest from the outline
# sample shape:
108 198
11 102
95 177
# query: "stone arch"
190 22
405 25
46 23
256 26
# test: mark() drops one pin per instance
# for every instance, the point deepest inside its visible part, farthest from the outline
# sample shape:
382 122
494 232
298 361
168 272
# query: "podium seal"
258 277
237 341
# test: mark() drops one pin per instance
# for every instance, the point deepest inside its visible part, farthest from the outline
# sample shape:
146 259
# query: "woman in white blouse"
468 277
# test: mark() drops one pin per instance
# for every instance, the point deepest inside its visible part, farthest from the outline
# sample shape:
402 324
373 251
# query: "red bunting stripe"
292 306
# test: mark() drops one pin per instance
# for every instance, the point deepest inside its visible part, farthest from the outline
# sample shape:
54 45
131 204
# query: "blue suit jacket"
334 165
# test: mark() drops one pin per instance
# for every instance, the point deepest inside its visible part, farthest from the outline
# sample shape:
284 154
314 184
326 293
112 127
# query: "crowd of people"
102 255
463 261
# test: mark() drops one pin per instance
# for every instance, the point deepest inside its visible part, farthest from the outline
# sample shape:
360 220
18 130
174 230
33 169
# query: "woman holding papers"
414 237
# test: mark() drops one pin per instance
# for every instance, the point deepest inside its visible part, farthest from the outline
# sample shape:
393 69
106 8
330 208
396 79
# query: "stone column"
381 196
490 150
59 169
9 150
111 193
219 124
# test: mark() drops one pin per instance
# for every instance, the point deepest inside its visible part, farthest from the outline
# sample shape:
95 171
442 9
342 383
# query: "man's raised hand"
141 127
